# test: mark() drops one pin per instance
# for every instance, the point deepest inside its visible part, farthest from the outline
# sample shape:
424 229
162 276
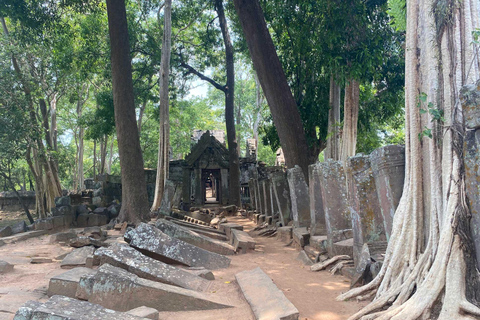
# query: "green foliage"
100 121
435 113
398 11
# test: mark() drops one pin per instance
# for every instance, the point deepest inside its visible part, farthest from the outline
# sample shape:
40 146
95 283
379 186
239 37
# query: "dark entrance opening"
211 186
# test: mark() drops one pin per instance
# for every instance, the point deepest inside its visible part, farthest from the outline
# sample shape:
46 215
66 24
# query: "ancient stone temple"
205 172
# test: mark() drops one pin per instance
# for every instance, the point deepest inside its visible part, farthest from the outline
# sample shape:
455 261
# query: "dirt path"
313 293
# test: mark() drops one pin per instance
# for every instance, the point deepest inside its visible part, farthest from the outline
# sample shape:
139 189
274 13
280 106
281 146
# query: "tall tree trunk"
95 159
53 120
332 150
81 134
234 172
110 157
164 131
350 119
429 271
140 116
103 153
134 188
274 84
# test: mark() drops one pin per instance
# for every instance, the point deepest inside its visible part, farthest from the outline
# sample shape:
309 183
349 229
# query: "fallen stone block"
77 258
6 231
63 201
19 227
97 220
206 231
152 242
62 236
204 242
265 299
83 241
344 247
127 258
65 308
25 312
144 312
319 242
284 234
301 237
120 290
5 267
261 219
242 241
66 284
304 258
23 236
227 228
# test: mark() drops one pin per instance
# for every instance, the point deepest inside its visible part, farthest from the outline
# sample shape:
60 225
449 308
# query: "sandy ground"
313 293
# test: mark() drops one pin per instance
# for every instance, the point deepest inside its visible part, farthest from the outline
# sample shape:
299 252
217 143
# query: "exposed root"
325 264
367 296
339 266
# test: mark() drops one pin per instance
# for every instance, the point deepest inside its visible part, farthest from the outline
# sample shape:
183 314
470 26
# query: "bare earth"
313 293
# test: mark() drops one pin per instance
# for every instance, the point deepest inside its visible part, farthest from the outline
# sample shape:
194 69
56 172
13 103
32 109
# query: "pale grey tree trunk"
332 151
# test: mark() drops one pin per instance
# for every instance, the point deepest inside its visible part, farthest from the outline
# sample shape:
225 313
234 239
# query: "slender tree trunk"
140 116
81 134
234 172
332 150
258 102
94 159
110 157
53 120
25 207
103 153
429 271
350 119
274 84
164 132
134 188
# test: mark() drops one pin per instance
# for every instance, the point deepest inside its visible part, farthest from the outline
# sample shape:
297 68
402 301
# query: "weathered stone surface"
66 284
204 230
267 202
62 236
63 201
241 241
97 220
61 211
77 258
25 312
94 232
65 308
160 246
167 198
304 258
367 220
82 209
251 189
201 272
40 260
189 236
23 236
83 241
6 231
301 237
265 299
319 243
19 227
299 197
144 312
281 194
228 227
388 165
5 267
82 220
284 234
317 213
344 247
334 198
125 257
471 154
120 290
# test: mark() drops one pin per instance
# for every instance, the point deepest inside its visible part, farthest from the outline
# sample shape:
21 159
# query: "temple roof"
210 150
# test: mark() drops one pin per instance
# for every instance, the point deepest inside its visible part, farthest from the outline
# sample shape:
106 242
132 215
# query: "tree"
274 84
164 132
134 188
429 271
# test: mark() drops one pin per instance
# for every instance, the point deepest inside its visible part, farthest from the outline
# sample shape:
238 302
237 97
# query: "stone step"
228 227
77 258
344 247
117 289
206 231
242 241
127 258
23 236
156 244
65 308
266 300
189 236
66 284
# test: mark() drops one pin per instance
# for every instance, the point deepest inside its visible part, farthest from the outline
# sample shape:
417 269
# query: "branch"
202 76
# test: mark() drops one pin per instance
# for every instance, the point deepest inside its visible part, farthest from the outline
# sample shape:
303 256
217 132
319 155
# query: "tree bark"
274 84
81 134
350 119
332 150
164 131
234 172
430 254
134 188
